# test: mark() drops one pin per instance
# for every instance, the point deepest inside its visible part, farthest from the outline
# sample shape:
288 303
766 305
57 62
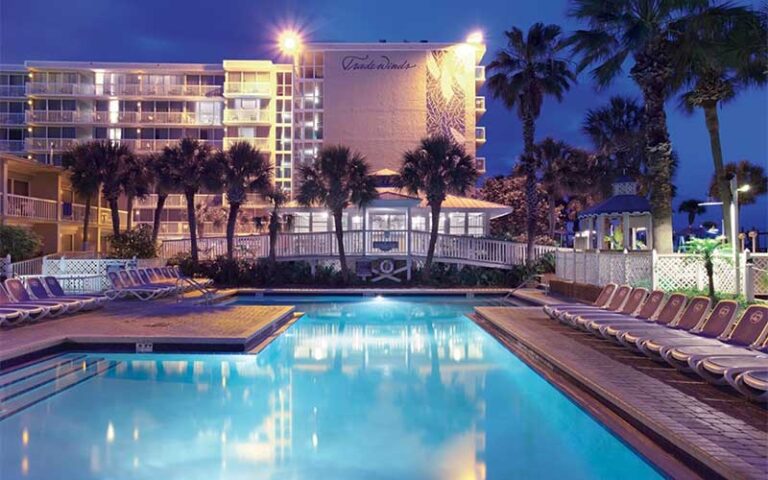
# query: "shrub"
133 243
19 243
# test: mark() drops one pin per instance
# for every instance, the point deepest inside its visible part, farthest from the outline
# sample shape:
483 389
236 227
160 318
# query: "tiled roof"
619 204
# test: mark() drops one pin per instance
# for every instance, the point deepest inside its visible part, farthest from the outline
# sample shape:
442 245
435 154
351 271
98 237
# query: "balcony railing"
480 164
259 143
12 91
154 118
179 201
138 145
67 89
248 88
479 104
11 145
480 134
48 144
11 118
54 116
31 207
247 116
480 73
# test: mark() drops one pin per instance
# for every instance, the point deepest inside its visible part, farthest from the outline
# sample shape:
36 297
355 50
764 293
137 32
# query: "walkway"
122 324
713 430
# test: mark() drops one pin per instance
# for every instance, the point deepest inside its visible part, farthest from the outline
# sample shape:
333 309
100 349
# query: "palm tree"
692 207
82 163
643 30
135 179
164 182
277 198
437 168
717 62
616 131
113 158
191 163
244 169
746 173
563 170
337 179
527 70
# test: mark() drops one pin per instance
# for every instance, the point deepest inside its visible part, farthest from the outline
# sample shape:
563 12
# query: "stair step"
28 371
27 384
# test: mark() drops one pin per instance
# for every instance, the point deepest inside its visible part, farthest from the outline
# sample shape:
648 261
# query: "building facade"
378 98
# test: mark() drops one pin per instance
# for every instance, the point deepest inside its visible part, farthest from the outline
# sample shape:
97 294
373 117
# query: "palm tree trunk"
231 222
192 221
337 221
652 73
723 188
551 216
709 267
129 207
273 227
158 215
531 200
86 222
115 216
433 232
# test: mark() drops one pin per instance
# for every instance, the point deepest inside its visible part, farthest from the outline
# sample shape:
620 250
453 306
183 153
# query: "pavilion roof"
619 205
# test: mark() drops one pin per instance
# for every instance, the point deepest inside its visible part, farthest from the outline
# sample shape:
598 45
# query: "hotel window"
419 223
283 111
284 84
18 187
475 224
319 221
312 65
457 223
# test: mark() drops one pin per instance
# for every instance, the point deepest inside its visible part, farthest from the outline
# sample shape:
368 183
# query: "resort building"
378 98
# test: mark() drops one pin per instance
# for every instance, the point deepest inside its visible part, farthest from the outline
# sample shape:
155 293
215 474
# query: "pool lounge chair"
120 289
19 294
132 278
642 338
629 306
33 312
12 316
176 273
732 362
654 313
747 332
568 316
145 280
37 287
554 310
639 308
668 317
56 291
752 383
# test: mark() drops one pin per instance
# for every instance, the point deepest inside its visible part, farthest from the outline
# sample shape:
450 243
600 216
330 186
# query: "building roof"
618 205
452 202
384 172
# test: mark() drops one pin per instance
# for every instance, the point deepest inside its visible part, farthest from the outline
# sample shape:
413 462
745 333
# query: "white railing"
158 145
259 143
36 88
33 266
83 273
31 207
247 116
378 243
11 118
176 200
248 88
748 274
46 144
12 91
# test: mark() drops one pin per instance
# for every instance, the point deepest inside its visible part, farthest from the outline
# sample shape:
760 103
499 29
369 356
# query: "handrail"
207 293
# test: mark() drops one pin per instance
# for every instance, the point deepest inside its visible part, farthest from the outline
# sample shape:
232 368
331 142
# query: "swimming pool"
358 388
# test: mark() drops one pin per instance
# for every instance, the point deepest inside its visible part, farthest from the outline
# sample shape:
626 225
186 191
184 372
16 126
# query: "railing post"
8 269
654 279
625 259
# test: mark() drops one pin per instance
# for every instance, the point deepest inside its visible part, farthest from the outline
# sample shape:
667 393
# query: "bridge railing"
379 243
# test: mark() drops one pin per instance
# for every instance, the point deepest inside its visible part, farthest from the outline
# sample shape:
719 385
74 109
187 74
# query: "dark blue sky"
189 31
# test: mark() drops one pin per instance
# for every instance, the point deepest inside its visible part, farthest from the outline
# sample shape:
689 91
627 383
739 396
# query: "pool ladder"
207 293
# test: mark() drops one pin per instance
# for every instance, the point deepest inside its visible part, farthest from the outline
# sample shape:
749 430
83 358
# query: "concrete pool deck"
166 324
711 430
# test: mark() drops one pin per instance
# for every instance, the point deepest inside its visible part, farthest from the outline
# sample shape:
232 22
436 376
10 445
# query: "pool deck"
166 324
713 431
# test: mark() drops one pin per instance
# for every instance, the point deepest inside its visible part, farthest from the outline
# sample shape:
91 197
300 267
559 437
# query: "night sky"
189 31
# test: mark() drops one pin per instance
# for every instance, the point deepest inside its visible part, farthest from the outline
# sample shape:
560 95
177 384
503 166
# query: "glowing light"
465 53
475 37
25 437
24 466
744 188
314 440
136 434
289 42
110 433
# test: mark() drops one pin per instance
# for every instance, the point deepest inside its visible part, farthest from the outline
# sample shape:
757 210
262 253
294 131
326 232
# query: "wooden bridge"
371 244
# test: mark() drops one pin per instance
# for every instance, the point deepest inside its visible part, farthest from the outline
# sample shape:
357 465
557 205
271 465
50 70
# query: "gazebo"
623 221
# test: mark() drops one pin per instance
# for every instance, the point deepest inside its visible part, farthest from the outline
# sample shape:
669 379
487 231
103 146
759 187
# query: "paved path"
725 432
159 321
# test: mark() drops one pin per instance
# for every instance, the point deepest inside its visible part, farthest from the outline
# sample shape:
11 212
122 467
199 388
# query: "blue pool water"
359 388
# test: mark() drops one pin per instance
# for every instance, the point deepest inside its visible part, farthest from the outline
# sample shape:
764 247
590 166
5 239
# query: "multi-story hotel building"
378 98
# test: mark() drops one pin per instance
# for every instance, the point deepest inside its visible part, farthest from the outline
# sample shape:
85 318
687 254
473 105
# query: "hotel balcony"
14 146
31 208
479 74
12 91
479 106
480 134
47 144
179 201
239 89
480 164
262 144
142 90
11 118
132 118
234 116
139 145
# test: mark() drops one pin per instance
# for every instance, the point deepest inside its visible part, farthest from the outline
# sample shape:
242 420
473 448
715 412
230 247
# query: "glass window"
457 223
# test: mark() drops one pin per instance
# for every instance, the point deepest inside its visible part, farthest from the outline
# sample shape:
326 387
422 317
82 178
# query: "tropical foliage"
277 198
84 167
527 70
706 249
337 179
133 243
746 174
510 191
437 168
692 207
18 242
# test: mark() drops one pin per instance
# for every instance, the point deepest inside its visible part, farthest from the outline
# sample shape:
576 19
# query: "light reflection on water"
360 388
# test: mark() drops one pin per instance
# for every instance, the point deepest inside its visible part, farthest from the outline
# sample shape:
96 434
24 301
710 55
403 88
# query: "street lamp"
289 42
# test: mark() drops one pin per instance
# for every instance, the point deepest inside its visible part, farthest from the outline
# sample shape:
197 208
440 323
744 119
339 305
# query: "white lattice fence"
92 272
760 271
678 272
